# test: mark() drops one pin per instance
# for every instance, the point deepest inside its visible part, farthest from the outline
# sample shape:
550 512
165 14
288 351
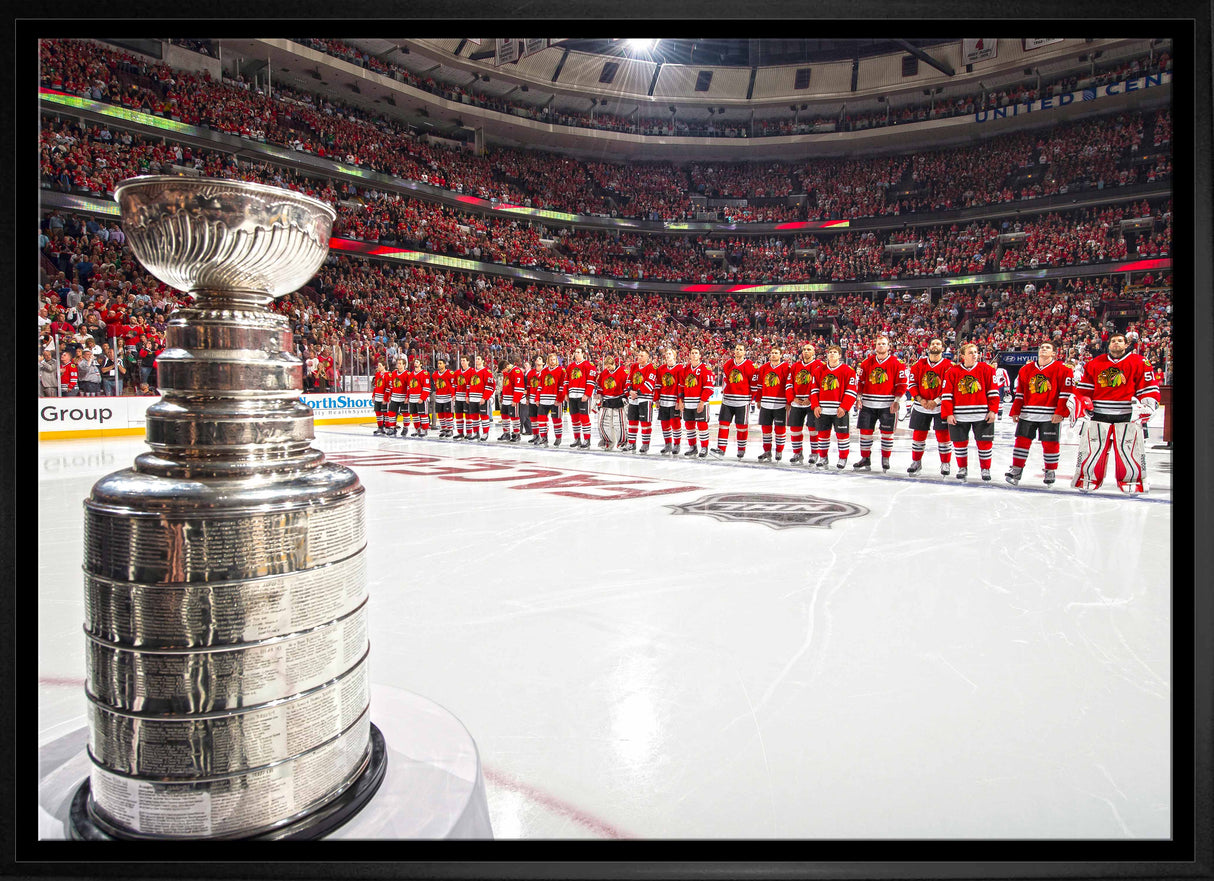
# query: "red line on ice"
554 804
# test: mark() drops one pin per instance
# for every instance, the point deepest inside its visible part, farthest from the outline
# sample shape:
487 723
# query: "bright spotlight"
642 45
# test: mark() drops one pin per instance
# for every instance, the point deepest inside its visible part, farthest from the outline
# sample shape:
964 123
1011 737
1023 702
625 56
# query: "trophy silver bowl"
225 581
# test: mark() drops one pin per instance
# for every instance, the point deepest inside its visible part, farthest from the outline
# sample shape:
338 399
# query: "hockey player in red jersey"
1115 381
552 380
642 376
926 386
463 427
1043 388
695 391
667 388
398 406
481 387
741 379
512 396
419 398
969 403
580 378
532 379
612 387
881 380
831 400
381 394
771 396
802 378
443 383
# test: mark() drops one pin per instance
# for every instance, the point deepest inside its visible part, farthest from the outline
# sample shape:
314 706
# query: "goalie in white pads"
612 385
1114 382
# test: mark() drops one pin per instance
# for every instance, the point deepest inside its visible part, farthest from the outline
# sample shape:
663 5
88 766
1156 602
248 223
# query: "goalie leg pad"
1129 454
1094 442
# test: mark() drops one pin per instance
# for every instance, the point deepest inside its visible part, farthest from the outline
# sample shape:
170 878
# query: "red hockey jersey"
880 383
667 383
969 394
927 381
1114 384
461 383
481 386
532 382
552 380
612 383
641 380
399 385
512 385
741 382
579 382
696 386
773 386
419 387
836 391
802 379
444 386
1042 392
381 389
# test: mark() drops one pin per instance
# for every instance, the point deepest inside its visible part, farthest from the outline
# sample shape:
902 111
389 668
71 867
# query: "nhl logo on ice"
772 509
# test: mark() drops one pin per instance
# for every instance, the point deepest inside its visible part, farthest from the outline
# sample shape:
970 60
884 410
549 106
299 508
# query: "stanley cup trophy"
225 588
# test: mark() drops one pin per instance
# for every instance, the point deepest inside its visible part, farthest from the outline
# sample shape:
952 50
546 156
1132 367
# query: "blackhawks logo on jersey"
830 382
441 385
802 377
475 381
969 385
609 384
735 375
549 380
1111 377
667 380
930 380
414 383
878 376
1039 385
771 380
575 373
692 382
638 378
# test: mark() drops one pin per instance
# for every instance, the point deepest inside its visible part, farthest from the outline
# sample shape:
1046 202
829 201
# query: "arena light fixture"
639 46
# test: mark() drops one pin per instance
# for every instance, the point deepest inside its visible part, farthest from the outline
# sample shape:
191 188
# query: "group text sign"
1090 94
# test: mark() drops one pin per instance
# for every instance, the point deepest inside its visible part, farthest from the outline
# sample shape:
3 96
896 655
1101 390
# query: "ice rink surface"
901 658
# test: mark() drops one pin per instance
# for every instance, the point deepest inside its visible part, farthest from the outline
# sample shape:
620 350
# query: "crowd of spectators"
1094 153
97 306
76 159
1032 88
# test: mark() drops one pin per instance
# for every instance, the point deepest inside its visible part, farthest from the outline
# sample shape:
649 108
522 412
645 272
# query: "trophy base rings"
88 825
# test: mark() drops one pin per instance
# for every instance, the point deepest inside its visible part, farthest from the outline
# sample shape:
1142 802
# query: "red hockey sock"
984 454
632 432
665 431
676 429
918 445
723 436
743 432
1050 454
945 444
781 434
796 442
1020 451
962 451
